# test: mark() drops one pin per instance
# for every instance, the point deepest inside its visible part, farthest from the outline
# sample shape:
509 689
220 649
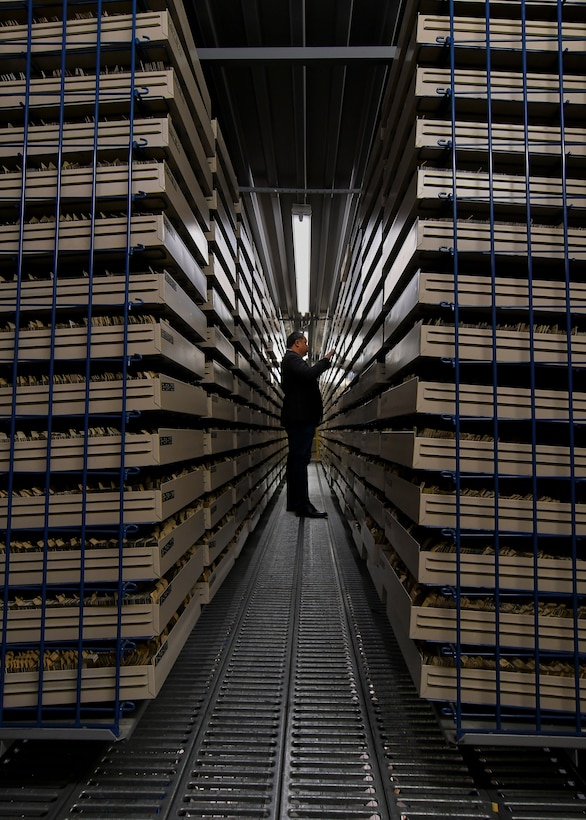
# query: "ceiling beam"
301 54
281 190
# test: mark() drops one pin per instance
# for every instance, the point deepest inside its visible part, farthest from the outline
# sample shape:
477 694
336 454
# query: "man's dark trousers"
298 458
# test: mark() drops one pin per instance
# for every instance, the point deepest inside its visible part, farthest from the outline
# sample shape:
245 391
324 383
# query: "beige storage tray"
223 224
103 507
153 233
241 463
248 438
218 442
374 474
218 346
155 32
506 4
436 509
137 682
157 135
435 185
217 275
517 690
224 253
219 313
373 377
547 296
244 307
219 376
157 339
149 290
220 409
438 624
222 157
153 179
177 9
437 398
159 92
478 456
100 622
217 506
156 393
476 570
432 84
256 457
214 580
436 236
470 32
215 541
102 564
222 202
433 135
475 345
242 390
219 474
242 531
371 546
241 487
162 446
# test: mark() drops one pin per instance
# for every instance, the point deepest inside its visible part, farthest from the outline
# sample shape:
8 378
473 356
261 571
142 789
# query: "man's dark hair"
292 337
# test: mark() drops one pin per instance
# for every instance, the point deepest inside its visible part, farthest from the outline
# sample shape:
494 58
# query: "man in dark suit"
300 415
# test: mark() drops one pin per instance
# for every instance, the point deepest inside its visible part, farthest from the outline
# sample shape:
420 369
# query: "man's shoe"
309 511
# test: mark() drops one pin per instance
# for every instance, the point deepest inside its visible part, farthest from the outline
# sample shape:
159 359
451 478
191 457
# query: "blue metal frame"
80 717
536 719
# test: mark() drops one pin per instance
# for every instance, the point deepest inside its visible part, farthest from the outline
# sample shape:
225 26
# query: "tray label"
166 547
165 594
160 654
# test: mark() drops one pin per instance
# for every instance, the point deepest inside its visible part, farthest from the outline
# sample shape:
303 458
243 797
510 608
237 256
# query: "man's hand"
329 354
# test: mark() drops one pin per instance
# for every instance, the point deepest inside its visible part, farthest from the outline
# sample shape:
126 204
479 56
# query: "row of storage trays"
428 504
100 502
424 620
156 32
460 475
191 557
107 575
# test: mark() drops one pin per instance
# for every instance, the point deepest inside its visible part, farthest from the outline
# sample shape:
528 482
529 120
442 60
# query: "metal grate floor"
290 700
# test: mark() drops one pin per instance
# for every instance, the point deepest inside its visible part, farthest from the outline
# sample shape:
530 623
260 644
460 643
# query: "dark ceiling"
296 87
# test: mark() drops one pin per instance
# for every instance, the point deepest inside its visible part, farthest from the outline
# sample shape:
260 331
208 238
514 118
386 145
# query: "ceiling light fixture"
301 217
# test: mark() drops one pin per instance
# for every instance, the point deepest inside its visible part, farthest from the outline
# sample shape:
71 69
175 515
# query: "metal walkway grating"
290 700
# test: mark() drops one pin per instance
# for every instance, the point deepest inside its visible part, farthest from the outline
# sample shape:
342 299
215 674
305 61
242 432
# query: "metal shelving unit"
471 241
132 477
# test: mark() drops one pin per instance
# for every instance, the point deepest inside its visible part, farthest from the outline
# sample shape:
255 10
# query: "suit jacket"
302 402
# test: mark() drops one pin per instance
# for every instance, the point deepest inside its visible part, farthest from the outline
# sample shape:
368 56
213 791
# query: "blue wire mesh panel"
55 236
517 660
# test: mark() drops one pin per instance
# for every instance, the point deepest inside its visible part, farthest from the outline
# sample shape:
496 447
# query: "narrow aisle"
298 705
290 700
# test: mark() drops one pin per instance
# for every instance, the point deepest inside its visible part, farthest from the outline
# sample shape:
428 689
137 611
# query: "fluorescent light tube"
301 220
